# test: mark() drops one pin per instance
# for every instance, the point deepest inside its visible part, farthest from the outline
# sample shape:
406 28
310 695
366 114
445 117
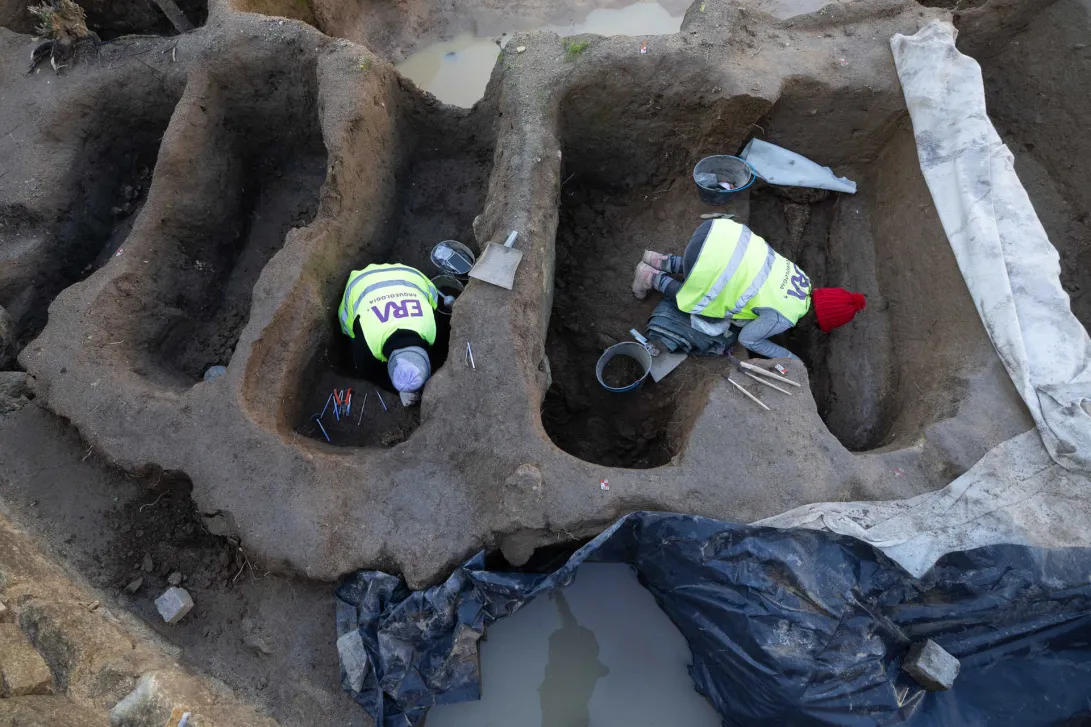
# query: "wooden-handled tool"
763 382
750 396
763 372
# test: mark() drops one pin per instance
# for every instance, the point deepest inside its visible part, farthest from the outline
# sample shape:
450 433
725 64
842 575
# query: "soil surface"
622 371
268 637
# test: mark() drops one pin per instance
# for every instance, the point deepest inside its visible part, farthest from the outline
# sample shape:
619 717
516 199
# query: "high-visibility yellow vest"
389 298
737 272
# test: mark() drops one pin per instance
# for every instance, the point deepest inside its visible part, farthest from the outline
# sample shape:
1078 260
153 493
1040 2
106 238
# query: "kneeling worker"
389 313
732 274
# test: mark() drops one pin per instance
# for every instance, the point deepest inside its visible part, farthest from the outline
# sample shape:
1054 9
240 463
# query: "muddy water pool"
599 653
456 71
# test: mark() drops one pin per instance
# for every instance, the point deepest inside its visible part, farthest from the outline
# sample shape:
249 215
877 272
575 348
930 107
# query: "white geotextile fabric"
777 165
1034 488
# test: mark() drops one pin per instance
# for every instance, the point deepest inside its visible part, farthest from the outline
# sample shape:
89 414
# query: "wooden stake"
763 372
766 383
753 398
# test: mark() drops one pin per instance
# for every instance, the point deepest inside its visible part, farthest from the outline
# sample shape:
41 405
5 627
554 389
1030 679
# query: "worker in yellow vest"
731 274
389 313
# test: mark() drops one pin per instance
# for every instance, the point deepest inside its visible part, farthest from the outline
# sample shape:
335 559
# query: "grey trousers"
755 335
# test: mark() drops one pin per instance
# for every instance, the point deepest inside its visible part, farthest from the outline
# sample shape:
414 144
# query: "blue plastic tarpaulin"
786 627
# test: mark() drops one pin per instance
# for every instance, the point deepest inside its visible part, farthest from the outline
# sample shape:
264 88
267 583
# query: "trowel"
663 362
498 264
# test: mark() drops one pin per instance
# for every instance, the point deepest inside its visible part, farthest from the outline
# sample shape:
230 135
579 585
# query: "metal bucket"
453 258
628 349
733 170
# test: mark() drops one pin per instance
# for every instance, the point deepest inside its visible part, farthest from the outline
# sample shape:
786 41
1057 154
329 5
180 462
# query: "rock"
220 523
517 548
147 564
3 611
9 347
258 643
521 49
174 604
253 638
175 578
931 666
527 478
14 392
350 647
23 671
215 372
134 585
148 704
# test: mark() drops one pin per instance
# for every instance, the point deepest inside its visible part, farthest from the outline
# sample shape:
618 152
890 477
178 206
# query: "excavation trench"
441 173
1035 92
111 19
627 188
113 149
247 166
114 18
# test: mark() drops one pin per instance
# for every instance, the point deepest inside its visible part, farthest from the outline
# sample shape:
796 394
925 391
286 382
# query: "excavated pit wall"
588 156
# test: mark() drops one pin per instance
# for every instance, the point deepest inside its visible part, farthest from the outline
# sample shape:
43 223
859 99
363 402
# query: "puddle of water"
456 71
597 654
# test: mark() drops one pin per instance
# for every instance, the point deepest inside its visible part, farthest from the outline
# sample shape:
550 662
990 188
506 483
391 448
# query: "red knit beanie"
834 307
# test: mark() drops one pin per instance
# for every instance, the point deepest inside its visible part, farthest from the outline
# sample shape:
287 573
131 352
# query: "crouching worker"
389 313
732 276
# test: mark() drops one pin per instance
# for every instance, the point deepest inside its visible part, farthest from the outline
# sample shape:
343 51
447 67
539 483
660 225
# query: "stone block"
174 604
931 666
354 660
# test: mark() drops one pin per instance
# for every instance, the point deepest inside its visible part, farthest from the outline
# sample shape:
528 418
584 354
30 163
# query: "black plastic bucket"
732 170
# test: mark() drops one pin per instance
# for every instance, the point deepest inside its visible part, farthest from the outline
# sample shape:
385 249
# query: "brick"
23 671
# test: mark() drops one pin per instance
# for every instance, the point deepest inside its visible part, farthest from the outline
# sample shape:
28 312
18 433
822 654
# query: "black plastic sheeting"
787 627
